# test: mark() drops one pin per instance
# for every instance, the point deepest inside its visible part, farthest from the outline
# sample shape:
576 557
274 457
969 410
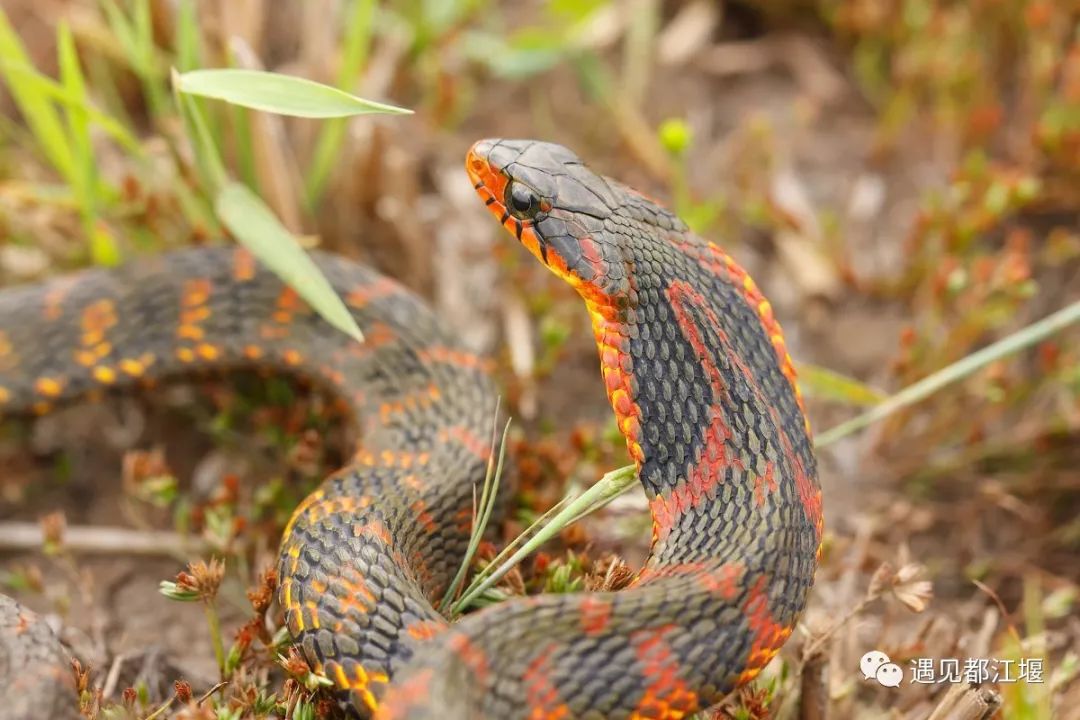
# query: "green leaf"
256 227
823 383
282 94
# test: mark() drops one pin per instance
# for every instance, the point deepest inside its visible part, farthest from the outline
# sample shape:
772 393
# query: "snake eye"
521 200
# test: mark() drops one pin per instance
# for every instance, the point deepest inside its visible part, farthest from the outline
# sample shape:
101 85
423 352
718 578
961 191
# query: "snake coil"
697 373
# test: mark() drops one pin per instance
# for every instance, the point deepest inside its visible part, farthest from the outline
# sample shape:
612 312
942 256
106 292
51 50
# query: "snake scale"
696 371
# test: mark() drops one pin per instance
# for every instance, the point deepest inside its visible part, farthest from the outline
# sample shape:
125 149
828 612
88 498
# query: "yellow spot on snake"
4 395
243 265
196 292
48 386
134 368
287 592
190 332
253 352
185 355
340 678
104 375
292 357
194 315
313 614
208 352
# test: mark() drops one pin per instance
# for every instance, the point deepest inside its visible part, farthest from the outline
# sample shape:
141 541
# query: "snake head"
559 209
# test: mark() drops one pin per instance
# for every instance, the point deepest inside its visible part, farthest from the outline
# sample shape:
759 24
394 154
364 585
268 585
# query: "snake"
697 372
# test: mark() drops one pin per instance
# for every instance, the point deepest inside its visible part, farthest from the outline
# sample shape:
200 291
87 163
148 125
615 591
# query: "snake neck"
697 374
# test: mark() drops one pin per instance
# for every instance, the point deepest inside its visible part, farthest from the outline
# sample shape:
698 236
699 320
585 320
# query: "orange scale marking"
595 615
541 695
666 694
767 635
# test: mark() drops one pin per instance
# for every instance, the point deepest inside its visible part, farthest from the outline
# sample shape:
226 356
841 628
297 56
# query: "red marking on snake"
351 591
767 635
402 697
373 529
595 614
541 694
666 695
722 581
457 358
764 483
420 512
678 293
361 295
243 265
708 471
472 655
425 629
724 266
477 446
591 253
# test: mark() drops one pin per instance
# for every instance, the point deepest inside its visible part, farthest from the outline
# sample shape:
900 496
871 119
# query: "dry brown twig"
967 702
28 536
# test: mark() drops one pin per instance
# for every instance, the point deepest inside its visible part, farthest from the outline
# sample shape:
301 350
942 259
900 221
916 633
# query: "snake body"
696 371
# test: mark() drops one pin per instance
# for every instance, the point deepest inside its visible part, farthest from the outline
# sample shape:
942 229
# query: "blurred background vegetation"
902 177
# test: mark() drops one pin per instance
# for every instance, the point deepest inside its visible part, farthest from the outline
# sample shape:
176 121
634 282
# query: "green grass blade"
354 56
38 111
210 165
511 546
121 28
256 227
147 59
103 248
188 45
78 124
277 93
135 37
607 488
483 513
45 85
819 382
959 370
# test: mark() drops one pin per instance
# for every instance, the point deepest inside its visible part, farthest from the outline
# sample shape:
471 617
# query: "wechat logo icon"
875 665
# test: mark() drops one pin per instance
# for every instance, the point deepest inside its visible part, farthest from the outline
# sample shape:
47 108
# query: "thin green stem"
608 487
215 634
960 369
513 544
482 514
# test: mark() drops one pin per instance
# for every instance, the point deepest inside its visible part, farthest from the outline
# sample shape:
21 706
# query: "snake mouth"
491 184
